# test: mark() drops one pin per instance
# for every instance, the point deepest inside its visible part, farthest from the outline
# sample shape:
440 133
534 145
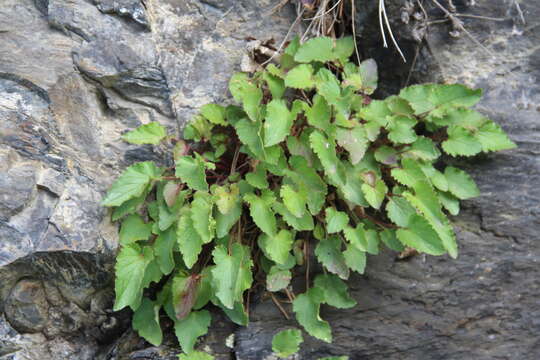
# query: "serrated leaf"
328 86
249 134
388 237
353 140
304 223
196 355
377 111
151 133
189 240
344 48
461 142
258 178
214 113
146 322
460 183
134 229
300 77
306 307
163 250
401 129
287 342
204 289
425 200
224 223
198 129
493 138
132 183
244 91
189 329
328 252
232 274
299 146
277 248
319 114
421 236
293 200
355 258
410 174
326 152
424 149
262 214
375 194
364 240
201 215
435 176
316 49
277 279
131 264
307 179
449 202
399 211
274 82
226 197
192 171
428 97
237 314
335 220
386 155
335 291
278 122
184 292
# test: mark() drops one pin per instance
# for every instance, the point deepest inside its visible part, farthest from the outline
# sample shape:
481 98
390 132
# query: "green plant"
307 163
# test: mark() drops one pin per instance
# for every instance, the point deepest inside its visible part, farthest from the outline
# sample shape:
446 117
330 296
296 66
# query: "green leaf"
192 171
328 252
277 279
326 152
460 183
375 194
201 215
300 77
421 236
287 342
493 138
335 220
244 91
151 133
428 97
364 240
461 142
134 229
335 291
369 74
262 214
410 174
401 129
204 290
275 84
226 197
377 111
354 141
197 355
328 86
355 258
293 200
232 274
319 114
214 113
309 182
425 200
130 206
399 211
424 149
131 263
435 176
237 314
249 134
277 248
316 49
388 237
146 322
306 307
190 328
132 183
449 202
335 358
299 147
344 48
224 223
198 129
163 250
258 178
386 155
304 223
189 240
278 122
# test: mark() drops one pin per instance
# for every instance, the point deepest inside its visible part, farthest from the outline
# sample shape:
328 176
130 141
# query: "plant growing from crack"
307 164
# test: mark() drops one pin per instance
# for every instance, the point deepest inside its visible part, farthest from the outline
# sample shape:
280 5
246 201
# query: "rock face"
76 74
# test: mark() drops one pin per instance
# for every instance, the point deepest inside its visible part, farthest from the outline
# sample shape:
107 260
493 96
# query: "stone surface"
76 74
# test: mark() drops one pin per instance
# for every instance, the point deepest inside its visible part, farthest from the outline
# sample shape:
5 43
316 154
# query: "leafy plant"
307 163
